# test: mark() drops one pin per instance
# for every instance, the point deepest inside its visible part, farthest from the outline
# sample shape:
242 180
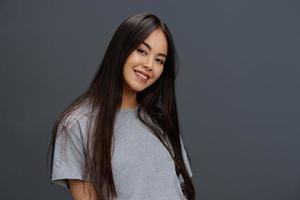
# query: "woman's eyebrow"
149 47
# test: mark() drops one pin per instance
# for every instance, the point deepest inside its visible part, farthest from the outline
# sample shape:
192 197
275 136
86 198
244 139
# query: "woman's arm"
81 190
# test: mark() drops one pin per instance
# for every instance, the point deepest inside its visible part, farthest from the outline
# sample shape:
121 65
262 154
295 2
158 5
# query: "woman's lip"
145 74
138 77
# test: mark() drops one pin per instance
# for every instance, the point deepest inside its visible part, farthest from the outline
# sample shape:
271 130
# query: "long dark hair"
158 102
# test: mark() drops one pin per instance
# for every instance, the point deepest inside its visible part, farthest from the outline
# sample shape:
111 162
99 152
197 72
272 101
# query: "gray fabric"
142 167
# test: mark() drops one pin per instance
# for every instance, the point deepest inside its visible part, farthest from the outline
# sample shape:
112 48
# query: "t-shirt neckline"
130 109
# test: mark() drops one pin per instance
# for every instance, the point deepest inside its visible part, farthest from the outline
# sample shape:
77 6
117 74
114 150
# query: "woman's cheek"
156 76
159 73
135 58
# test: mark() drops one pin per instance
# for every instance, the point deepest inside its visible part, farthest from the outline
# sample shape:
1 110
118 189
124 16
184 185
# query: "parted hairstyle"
158 101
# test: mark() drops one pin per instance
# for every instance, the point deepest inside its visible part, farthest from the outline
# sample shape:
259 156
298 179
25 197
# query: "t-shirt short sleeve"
186 161
68 158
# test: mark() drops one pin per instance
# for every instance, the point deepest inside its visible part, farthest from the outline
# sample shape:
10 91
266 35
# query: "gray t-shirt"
142 167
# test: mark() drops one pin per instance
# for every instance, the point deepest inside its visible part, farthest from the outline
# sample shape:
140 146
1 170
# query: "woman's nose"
148 64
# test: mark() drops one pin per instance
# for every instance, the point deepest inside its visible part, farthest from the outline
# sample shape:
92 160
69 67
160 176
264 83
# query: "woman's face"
146 63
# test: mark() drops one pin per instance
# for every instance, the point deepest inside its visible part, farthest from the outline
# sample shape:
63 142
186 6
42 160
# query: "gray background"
237 89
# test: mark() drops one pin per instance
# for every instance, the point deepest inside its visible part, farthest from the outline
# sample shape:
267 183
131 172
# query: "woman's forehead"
157 42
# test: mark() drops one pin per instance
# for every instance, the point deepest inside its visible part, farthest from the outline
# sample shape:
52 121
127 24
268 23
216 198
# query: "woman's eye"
160 61
142 51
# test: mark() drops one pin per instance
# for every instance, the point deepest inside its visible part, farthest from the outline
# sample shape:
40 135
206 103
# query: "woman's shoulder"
79 116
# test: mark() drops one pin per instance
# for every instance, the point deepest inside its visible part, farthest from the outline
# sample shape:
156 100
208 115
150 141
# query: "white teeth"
141 75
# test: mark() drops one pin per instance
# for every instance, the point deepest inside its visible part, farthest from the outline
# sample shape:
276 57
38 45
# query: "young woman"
121 139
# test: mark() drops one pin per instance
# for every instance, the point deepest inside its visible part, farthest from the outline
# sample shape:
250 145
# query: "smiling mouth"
140 76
